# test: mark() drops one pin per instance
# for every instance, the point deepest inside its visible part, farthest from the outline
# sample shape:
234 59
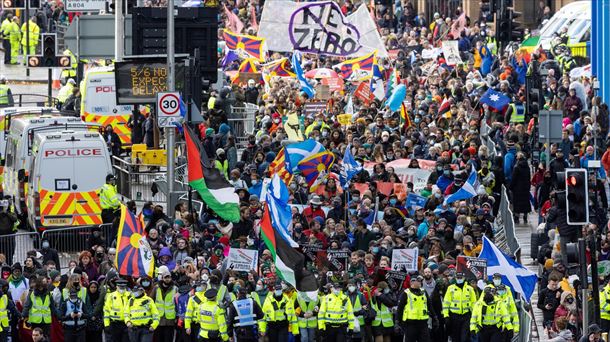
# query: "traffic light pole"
171 86
27 37
594 276
119 45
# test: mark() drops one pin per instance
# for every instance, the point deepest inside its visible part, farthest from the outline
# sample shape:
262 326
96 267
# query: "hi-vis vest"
4 94
416 308
384 315
41 309
82 294
357 306
245 312
166 306
309 306
74 307
3 311
518 113
604 303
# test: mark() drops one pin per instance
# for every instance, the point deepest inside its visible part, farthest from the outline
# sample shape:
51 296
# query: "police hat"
110 177
460 275
211 294
121 282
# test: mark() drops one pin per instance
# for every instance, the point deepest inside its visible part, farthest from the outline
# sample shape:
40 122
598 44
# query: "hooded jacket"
171 264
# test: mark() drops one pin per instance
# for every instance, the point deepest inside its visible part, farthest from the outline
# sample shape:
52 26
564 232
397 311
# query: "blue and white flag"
495 99
519 278
413 201
305 86
468 190
295 153
376 85
281 214
349 167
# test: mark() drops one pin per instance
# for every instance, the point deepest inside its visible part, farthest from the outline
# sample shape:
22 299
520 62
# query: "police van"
99 105
17 151
8 113
67 169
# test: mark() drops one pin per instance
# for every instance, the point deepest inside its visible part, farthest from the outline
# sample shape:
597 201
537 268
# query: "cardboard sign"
244 260
473 268
395 279
405 260
363 92
451 52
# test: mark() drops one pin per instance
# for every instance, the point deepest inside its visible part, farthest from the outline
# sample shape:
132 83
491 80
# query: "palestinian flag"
217 193
289 262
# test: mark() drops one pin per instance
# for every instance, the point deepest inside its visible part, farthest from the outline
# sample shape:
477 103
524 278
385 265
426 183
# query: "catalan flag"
134 256
250 45
358 68
316 168
278 166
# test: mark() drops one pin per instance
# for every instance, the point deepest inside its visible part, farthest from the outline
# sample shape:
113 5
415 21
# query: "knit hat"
53 274
209 132
163 271
548 264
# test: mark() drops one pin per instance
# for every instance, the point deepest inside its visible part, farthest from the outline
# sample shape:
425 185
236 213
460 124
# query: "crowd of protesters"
443 135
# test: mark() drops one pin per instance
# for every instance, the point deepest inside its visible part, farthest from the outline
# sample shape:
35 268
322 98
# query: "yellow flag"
292 128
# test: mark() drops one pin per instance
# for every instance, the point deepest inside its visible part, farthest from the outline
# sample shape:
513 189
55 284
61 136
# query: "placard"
363 92
313 108
405 260
244 260
395 279
337 260
473 268
451 52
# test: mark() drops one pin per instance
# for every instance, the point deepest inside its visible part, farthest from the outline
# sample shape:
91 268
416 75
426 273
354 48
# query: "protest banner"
395 279
473 268
313 108
363 92
451 52
242 259
337 260
405 260
333 83
414 201
319 28
419 177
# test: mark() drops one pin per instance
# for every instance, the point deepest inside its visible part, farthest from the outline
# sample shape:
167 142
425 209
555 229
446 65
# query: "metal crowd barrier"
242 120
15 246
137 185
70 241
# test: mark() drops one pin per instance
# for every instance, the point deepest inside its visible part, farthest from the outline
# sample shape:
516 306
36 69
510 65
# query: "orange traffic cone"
56 76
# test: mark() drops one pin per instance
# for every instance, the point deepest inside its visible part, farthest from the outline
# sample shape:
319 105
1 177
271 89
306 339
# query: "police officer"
457 307
39 307
336 316
74 315
604 305
279 316
69 73
489 316
414 310
141 316
109 199
114 312
505 295
164 293
211 319
6 306
190 317
30 40
6 96
6 37
306 310
66 91
15 36
243 316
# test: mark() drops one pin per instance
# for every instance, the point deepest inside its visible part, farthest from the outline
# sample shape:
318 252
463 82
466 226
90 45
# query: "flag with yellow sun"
316 168
134 256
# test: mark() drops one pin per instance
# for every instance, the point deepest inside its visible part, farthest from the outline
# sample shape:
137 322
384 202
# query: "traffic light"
516 32
503 28
19 4
49 50
534 104
577 196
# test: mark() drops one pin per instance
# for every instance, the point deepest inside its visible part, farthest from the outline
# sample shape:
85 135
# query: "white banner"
242 259
319 28
405 260
419 177
451 52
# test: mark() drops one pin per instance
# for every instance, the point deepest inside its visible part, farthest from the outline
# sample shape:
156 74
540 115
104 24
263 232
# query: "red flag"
458 26
232 21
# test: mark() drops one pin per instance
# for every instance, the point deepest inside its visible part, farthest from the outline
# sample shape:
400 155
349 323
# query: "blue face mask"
375 250
459 281
446 173
393 201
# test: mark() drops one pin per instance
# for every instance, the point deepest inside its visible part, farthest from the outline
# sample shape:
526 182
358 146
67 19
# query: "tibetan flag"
217 193
316 168
289 262
281 68
358 68
278 166
134 256
245 66
248 45
295 153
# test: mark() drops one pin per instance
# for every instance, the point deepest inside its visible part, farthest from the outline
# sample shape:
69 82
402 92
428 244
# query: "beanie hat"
548 264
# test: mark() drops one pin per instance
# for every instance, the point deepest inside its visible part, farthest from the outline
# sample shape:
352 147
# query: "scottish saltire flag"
376 86
520 279
349 168
134 256
277 197
249 45
295 153
305 86
495 99
468 190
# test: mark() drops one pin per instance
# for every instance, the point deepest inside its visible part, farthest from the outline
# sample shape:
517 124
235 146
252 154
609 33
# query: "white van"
8 113
99 102
67 169
18 150
576 16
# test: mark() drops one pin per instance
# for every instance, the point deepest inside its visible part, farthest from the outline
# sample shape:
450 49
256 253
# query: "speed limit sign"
168 109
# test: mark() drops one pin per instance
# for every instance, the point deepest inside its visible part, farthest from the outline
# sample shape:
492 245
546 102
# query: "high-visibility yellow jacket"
114 307
459 300
336 310
142 312
278 311
34 34
494 314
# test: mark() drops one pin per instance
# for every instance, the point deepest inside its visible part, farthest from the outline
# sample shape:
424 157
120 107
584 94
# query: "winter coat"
520 187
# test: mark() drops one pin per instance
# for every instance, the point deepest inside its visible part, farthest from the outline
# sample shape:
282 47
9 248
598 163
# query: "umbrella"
321 73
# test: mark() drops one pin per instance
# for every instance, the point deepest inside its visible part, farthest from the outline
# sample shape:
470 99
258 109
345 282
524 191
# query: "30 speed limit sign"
168 109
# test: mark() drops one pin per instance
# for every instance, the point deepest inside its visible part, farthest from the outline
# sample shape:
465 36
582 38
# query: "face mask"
199 288
336 292
145 284
497 282
277 293
437 195
356 198
259 287
324 134
393 201
276 121
375 230
121 290
446 172
459 280
254 181
385 139
375 250
386 290
45 245
76 285
293 186
417 120
205 277
502 292
351 288
236 288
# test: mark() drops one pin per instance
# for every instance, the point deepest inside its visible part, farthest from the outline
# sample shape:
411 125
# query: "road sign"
168 108
85 5
96 36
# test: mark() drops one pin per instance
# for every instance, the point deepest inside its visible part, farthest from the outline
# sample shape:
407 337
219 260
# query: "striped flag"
278 166
359 68
251 46
134 256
